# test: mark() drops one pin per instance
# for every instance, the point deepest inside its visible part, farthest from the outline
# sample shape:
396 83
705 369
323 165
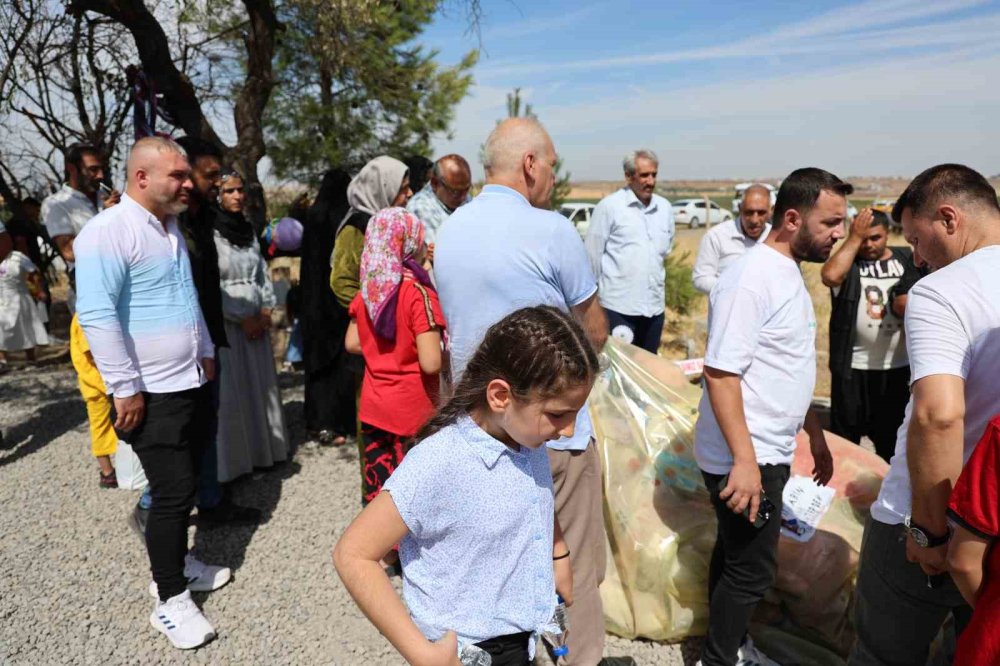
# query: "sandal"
109 481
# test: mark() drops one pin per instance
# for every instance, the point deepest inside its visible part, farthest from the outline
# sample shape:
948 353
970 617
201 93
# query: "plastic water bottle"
555 632
473 655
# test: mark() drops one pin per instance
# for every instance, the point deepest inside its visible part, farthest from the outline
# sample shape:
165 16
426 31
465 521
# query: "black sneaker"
137 521
227 513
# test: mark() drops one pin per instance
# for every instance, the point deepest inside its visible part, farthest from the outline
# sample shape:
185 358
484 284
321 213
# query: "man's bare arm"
591 316
934 445
65 246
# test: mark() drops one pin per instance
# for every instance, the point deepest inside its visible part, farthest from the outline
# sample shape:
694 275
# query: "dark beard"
805 248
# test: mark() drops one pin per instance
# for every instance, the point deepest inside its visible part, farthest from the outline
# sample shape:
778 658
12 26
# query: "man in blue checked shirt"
630 235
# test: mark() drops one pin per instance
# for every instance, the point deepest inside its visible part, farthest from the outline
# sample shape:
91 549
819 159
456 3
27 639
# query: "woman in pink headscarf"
398 326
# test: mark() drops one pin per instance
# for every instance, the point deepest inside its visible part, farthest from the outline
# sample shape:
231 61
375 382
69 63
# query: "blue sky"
726 89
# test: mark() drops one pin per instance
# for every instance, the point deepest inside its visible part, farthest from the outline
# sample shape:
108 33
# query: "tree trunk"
179 98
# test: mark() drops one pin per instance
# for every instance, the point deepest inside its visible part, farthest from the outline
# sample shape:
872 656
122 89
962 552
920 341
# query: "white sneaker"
749 655
201 577
180 620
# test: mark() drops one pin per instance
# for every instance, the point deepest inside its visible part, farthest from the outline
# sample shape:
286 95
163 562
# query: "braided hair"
539 351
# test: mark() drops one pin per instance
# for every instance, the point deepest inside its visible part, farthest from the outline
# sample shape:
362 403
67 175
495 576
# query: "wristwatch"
923 537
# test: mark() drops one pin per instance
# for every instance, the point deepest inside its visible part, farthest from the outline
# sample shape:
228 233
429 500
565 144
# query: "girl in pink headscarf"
398 326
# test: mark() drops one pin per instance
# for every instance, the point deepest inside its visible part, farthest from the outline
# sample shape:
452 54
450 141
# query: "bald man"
139 310
504 251
724 243
448 188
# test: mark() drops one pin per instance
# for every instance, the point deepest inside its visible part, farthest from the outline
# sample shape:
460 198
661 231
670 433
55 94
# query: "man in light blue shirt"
502 252
631 233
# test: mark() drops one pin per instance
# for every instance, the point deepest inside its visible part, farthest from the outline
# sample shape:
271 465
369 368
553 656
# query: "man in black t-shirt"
870 371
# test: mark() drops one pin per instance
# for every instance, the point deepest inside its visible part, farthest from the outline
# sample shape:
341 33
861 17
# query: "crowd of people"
455 339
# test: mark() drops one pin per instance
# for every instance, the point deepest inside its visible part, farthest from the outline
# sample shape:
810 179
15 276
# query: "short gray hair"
509 141
629 162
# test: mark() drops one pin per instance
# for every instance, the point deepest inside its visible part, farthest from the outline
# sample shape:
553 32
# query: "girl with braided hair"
471 505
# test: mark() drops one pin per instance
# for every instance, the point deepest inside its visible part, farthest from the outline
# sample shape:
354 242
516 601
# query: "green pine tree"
353 84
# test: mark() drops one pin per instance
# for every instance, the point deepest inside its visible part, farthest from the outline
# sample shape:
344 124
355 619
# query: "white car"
579 214
693 212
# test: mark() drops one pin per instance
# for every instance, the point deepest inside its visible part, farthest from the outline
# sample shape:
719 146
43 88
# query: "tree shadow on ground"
57 412
227 545
261 489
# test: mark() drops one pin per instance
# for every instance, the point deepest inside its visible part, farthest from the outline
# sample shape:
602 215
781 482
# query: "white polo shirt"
952 328
761 326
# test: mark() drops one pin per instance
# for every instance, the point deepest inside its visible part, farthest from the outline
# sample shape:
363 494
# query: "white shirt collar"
631 199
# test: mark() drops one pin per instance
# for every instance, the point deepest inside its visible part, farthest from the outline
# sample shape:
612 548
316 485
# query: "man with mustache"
724 243
760 372
630 235
139 310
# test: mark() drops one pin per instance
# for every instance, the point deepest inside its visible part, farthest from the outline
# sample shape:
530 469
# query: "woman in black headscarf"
330 383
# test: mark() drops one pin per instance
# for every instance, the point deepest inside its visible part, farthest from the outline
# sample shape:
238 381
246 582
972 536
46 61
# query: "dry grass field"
681 329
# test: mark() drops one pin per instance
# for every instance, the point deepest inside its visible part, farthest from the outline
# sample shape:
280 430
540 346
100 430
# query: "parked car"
884 206
579 214
693 213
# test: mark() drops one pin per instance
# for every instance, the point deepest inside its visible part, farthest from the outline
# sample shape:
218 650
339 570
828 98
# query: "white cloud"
855 30
886 118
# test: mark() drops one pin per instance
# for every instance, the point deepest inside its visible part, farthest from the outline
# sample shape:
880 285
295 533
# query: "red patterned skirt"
381 453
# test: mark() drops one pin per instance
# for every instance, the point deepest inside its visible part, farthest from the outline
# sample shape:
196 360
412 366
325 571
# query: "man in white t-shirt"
73 205
951 218
760 371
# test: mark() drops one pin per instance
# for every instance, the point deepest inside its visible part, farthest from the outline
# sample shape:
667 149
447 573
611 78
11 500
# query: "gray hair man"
914 539
630 235
448 188
504 251
724 243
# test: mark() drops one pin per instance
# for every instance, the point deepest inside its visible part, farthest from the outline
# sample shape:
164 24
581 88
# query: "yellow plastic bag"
661 527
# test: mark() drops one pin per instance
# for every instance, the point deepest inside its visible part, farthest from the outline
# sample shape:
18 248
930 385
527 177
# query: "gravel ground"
73 577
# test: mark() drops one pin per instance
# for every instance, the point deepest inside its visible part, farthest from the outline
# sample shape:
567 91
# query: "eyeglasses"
453 191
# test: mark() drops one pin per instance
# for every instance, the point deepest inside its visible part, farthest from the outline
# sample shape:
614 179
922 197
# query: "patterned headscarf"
393 237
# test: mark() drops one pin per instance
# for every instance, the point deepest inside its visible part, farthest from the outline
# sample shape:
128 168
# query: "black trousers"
331 395
644 332
510 650
870 403
744 564
170 443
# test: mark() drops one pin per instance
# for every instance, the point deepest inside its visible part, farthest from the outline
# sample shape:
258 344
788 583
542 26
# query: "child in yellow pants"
103 440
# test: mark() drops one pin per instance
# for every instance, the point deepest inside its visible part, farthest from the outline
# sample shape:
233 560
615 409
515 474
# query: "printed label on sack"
805 504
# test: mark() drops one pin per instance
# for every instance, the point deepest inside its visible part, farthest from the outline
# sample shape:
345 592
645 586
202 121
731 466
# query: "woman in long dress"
330 385
21 327
251 424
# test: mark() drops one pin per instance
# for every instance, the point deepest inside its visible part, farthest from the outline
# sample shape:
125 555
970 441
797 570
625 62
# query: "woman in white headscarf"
383 183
